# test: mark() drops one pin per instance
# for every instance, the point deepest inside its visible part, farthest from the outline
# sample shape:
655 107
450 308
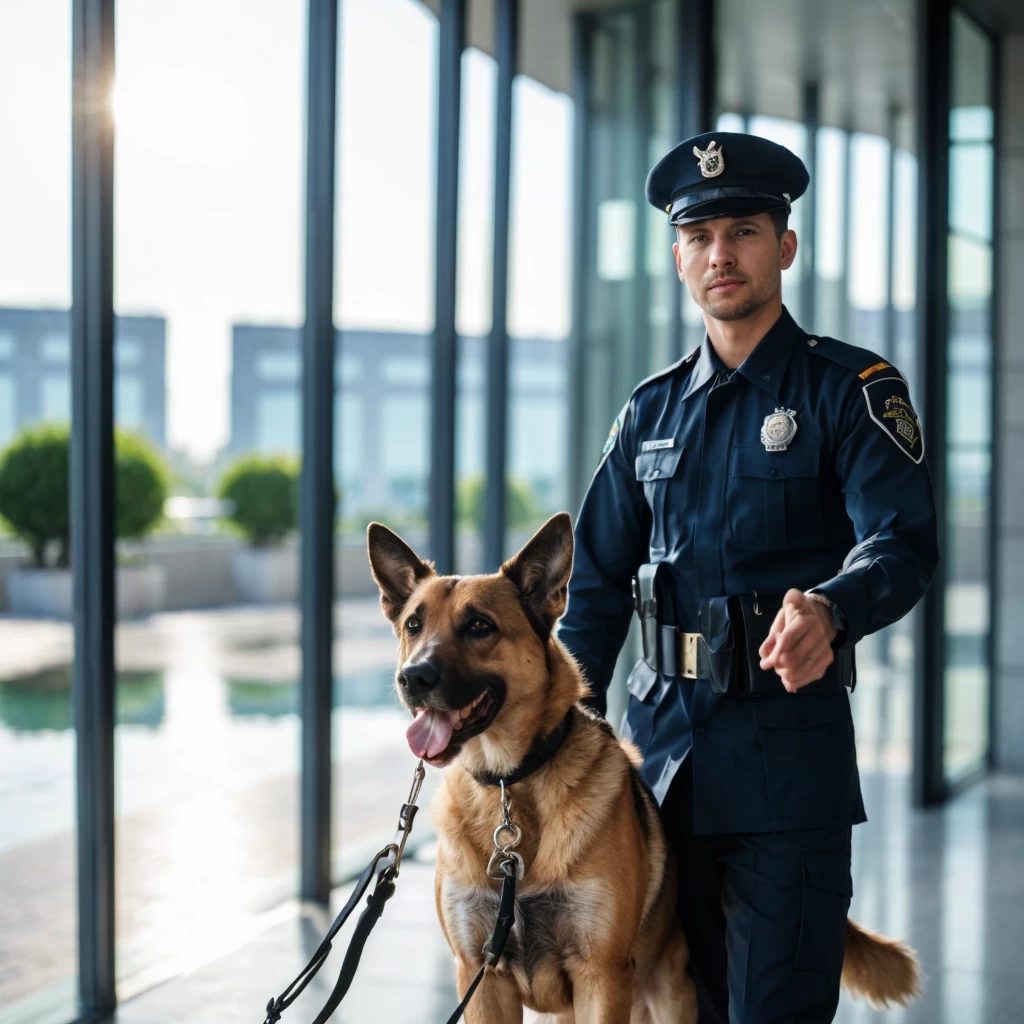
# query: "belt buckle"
689 669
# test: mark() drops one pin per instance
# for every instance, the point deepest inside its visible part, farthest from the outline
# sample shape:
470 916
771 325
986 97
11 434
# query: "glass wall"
384 318
540 290
209 120
969 424
38 896
856 275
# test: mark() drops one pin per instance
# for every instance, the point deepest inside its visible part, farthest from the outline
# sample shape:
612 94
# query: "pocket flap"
801 711
642 680
753 460
828 871
658 465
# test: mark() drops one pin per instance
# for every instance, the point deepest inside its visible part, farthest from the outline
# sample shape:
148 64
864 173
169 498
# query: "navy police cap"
725 174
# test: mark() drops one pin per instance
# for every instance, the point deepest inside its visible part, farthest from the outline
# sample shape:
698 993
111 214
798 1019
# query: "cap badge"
711 161
778 430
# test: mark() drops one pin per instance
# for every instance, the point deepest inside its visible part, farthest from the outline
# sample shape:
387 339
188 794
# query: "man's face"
733 266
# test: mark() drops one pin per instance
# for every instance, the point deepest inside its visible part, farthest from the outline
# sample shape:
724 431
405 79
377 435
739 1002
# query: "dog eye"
413 624
480 627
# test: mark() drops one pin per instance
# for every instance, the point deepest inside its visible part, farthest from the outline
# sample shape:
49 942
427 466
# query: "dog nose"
420 676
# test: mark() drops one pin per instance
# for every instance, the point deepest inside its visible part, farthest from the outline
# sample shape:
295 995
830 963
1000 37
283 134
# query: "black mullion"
581 239
92 492
444 355
809 285
317 482
933 88
506 49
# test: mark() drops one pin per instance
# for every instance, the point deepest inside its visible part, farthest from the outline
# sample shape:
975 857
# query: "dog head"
473 664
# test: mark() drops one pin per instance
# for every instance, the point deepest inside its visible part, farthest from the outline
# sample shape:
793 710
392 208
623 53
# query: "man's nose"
722 255
419 676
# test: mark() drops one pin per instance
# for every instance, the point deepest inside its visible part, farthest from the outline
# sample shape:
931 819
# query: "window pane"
384 317
39 942
209 197
969 389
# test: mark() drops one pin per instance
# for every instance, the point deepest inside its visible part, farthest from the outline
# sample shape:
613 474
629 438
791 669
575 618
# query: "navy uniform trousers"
764 915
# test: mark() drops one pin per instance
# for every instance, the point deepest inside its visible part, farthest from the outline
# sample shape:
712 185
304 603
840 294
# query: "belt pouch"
715 652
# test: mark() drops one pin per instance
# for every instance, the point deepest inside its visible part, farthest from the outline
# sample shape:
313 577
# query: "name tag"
657 446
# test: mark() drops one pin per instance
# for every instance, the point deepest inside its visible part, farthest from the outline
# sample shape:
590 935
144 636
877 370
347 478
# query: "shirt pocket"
656 471
774 498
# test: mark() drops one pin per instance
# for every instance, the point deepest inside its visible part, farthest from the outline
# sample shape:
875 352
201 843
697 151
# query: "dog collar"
539 754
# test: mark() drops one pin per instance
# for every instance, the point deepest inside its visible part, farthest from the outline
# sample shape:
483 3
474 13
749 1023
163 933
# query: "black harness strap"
502 929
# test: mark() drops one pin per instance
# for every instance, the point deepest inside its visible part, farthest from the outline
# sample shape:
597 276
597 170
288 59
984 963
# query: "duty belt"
725 653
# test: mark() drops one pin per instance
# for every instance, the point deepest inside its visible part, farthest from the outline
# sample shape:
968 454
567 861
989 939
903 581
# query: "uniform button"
699 731
767 378
775 470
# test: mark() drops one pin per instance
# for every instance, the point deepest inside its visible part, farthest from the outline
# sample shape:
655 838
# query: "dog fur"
596 938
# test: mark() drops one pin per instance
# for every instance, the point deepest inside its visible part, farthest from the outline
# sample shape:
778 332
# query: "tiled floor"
951 881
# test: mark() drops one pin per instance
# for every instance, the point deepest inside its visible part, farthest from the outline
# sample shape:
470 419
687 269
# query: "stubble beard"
729 311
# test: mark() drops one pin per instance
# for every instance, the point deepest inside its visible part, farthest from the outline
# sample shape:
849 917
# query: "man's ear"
397 569
541 572
787 246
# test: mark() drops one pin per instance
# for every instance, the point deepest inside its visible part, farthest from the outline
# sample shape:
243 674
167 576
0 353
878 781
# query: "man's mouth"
437 734
727 284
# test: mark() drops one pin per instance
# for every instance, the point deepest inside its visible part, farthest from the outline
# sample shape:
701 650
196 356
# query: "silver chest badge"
778 430
712 163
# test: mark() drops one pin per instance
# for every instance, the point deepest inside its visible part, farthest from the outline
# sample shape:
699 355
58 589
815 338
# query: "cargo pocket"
774 498
825 894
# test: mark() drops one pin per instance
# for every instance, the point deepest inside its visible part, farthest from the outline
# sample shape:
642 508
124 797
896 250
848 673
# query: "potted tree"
34 489
261 497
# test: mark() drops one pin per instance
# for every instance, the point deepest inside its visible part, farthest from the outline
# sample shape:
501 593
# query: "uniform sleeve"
887 487
612 536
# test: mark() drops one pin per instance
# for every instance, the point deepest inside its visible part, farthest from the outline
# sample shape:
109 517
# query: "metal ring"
513 829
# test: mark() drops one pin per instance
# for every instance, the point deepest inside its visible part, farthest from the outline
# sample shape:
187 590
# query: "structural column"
92 489
317 512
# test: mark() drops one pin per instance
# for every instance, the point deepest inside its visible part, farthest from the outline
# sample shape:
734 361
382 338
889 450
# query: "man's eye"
745 231
413 624
697 238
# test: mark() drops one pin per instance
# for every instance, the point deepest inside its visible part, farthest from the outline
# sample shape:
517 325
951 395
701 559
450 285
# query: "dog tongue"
431 733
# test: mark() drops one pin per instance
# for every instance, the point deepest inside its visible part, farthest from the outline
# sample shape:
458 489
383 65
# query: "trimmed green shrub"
520 505
143 483
34 488
264 491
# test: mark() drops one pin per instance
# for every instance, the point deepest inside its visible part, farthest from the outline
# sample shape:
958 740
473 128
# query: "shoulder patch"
888 402
612 435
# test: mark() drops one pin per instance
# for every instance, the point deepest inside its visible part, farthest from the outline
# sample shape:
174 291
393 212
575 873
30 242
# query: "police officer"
763 503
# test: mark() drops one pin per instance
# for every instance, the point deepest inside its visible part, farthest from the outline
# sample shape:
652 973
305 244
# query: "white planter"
266 575
47 593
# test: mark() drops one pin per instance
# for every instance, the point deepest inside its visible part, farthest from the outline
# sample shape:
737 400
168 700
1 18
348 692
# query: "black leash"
508 864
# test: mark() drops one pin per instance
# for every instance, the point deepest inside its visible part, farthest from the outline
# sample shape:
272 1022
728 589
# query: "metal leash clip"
504 853
406 817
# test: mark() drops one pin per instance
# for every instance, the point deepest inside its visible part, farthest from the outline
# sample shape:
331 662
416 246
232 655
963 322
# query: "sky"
209 189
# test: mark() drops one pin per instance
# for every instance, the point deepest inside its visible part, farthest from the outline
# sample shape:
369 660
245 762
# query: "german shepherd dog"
596 938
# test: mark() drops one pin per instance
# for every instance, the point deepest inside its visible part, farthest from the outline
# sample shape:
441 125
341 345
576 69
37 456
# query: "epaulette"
862 361
686 361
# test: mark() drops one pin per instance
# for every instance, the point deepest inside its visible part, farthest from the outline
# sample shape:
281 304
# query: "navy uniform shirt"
846 509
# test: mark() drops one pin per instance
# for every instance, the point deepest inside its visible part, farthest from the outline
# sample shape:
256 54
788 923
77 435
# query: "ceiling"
859 52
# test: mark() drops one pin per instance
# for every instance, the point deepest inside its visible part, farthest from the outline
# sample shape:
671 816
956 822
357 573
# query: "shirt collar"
765 365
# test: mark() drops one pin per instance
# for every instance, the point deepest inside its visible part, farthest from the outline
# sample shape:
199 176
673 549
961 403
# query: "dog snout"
419 676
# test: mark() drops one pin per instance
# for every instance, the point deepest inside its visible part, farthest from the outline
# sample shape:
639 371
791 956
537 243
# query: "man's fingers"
769 642
794 632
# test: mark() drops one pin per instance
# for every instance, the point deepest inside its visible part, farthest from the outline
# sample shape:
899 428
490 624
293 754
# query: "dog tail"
881 970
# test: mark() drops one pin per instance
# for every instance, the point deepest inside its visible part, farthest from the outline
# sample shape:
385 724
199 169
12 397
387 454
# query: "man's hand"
798 646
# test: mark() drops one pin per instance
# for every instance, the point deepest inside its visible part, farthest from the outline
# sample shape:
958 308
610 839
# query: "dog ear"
396 568
541 572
